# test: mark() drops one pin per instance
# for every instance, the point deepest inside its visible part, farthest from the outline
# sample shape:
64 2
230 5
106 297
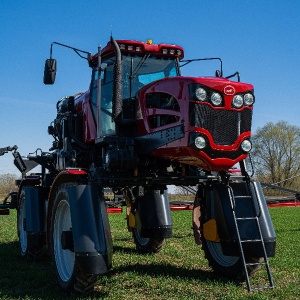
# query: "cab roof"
141 48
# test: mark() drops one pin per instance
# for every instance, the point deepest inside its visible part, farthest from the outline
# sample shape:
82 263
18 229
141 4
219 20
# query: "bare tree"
276 153
7 183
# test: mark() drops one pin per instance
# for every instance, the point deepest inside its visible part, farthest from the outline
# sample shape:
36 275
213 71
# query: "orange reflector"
131 220
210 231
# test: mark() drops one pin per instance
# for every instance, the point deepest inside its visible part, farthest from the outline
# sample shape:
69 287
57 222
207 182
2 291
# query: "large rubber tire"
27 250
69 276
228 266
147 245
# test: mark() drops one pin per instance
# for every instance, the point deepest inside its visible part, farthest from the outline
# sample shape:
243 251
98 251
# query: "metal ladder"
239 220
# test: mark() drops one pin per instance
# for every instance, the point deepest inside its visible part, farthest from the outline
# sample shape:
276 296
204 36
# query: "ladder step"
242 197
259 288
245 218
256 264
251 241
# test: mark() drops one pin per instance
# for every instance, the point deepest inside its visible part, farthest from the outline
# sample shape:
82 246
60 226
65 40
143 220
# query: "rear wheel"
69 276
147 245
27 249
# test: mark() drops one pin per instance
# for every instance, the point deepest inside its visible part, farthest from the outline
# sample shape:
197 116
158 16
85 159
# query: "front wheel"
147 245
69 276
228 266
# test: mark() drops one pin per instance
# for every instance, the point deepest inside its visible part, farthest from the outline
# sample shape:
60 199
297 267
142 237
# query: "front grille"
225 126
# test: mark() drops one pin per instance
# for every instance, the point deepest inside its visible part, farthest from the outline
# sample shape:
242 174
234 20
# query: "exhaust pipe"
117 89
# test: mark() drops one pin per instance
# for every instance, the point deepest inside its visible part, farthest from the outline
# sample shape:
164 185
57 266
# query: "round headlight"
248 99
246 146
237 101
200 94
216 99
200 142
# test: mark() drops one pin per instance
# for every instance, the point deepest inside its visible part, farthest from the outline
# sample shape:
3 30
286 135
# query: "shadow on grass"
21 279
166 269
182 236
158 270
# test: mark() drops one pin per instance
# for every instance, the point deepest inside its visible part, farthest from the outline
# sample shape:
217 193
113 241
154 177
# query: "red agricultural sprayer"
140 127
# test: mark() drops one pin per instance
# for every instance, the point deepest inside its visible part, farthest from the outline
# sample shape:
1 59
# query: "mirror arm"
187 61
235 74
77 51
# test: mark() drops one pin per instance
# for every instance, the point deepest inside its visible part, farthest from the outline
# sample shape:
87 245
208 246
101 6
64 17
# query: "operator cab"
142 63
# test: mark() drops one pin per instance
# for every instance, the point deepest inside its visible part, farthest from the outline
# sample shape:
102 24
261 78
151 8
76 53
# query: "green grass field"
178 272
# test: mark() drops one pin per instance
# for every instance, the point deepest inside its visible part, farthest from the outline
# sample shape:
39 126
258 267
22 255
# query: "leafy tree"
276 153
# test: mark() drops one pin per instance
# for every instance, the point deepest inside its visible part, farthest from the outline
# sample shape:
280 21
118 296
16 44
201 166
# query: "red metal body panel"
180 150
175 86
82 104
179 88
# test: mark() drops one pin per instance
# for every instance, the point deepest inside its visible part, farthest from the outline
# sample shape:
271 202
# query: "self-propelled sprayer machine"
139 128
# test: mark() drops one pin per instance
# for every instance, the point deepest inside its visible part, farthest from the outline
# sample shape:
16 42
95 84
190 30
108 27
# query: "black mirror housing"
218 73
50 71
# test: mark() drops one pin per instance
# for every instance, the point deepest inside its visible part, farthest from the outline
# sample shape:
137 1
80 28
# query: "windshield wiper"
141 62
134 72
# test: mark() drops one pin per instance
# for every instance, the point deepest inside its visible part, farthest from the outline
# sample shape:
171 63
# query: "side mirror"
50 71
218 73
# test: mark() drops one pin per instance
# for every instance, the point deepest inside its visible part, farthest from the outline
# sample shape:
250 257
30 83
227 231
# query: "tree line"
275 156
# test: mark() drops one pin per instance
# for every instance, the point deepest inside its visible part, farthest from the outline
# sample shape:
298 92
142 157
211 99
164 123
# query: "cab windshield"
141 70
137 72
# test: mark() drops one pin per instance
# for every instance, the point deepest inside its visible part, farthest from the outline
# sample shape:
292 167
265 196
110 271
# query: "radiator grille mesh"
225 126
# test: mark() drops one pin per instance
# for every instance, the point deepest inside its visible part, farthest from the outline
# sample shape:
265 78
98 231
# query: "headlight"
216 99
246 146
248 99
200 142
200 94
237 101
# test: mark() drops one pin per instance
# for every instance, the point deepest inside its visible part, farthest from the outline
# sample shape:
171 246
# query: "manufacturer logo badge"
229 90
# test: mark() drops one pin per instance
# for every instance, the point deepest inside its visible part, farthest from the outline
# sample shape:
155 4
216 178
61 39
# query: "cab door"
107 126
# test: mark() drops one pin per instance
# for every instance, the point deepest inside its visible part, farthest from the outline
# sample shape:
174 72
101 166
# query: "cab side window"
107 126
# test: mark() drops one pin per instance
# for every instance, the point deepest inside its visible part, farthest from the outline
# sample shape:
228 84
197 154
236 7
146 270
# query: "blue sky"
260 39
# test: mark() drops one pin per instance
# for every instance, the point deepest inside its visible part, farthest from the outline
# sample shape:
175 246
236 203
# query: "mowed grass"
180 271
